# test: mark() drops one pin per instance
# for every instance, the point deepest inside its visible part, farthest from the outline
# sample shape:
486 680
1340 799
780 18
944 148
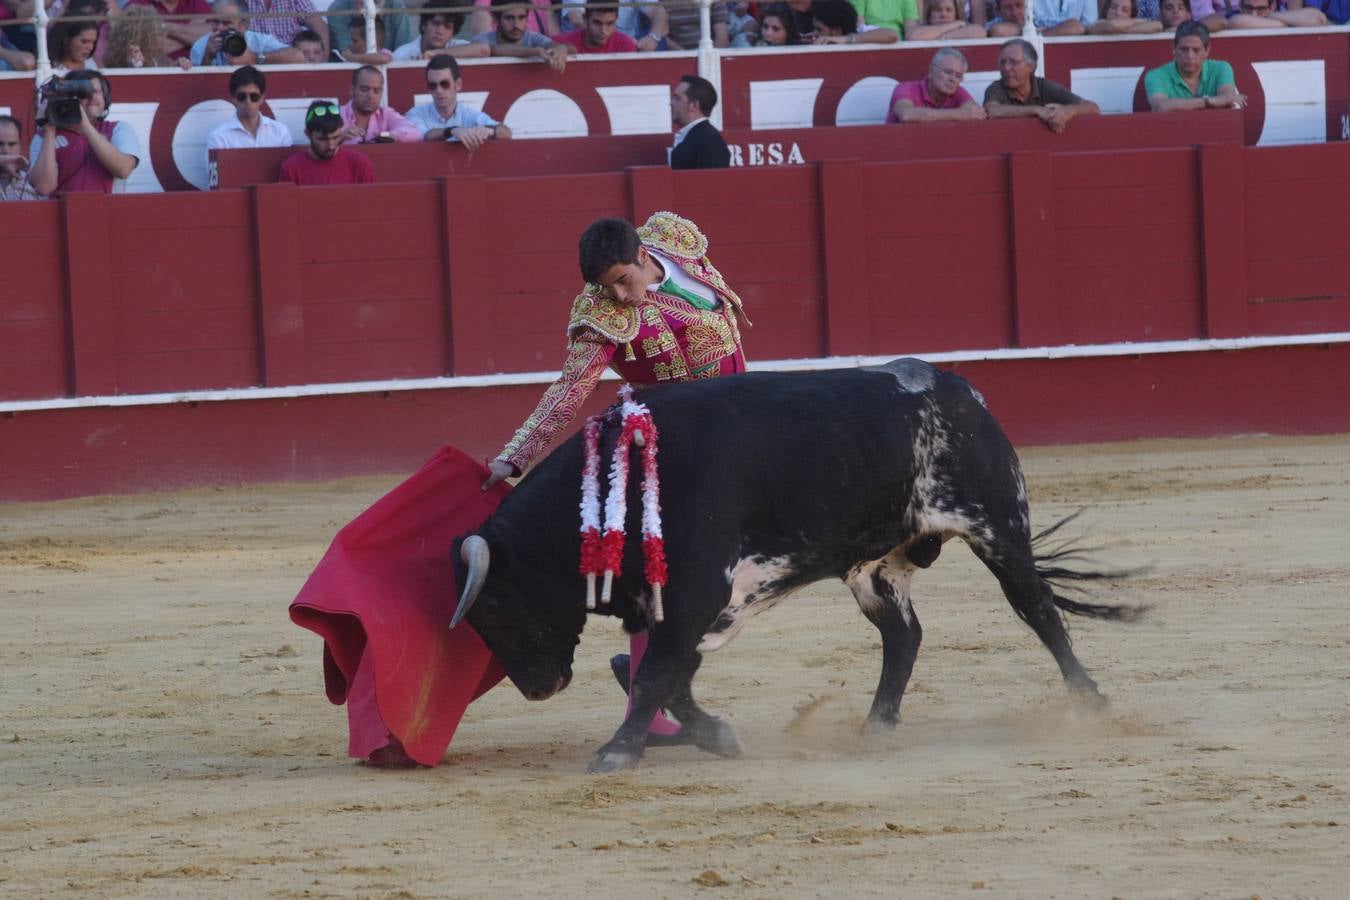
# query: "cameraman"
91 155
227 21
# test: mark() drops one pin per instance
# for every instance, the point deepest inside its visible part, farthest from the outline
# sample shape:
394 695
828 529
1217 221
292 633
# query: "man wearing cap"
325 160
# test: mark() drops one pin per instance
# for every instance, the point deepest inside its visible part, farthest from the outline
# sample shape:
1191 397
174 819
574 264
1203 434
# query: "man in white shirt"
249 127
445 118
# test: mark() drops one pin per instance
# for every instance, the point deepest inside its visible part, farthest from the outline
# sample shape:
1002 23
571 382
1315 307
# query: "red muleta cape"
381 598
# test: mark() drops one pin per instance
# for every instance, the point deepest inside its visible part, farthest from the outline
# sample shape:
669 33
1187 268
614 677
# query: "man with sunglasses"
249 127
325 160
445 118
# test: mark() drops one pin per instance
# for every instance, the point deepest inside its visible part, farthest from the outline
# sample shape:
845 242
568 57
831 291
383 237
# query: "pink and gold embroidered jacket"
663 338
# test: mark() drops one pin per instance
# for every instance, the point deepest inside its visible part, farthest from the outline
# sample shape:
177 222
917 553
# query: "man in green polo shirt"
1192 80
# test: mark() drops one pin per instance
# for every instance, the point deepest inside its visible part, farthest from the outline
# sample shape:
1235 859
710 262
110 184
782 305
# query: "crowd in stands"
98 153
110 34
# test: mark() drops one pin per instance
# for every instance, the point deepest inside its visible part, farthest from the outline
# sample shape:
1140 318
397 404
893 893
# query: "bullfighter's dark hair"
441 8
702 92
1192 29
839 14
444 61
606 243
246 75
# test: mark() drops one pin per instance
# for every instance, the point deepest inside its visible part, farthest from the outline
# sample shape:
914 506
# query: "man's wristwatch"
262 58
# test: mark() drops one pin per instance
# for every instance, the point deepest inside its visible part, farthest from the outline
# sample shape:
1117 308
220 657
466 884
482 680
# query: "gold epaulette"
611 319
674 235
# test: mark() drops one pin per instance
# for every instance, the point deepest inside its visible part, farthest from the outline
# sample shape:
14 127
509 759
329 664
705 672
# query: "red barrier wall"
278 285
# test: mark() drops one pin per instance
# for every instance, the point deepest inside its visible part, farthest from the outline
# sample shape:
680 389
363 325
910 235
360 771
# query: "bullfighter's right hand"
501 469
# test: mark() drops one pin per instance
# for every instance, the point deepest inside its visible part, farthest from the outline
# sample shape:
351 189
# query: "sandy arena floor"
164 729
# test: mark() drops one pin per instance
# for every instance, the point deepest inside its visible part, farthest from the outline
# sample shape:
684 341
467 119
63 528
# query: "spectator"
539 18
1064 17
303 17
1011 18
897 15
18 38
94 155
599 34
645 21
13 59
939 97
311 46
227 16
684 33
14 183
72 46
366 120
1018 92
1336 11
437 30
1122 17
1172 13
106 10
325 160
742 28
1192 80
510 36
1265 14
249 127
942 21
800 10
445 118
836 22
778 28
400 27
698 145
137 41
184 23
357 52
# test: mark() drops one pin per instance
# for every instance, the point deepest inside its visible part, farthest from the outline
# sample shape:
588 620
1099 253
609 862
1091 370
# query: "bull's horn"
474 552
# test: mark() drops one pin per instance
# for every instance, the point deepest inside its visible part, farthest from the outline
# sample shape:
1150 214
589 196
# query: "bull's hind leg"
882 591
1011 560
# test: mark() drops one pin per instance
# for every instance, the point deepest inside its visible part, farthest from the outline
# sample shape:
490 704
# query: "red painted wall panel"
33 334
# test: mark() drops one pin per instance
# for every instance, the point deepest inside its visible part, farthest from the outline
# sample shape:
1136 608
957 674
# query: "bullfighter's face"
628 282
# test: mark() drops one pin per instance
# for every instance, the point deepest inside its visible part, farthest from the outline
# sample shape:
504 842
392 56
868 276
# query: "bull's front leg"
656 682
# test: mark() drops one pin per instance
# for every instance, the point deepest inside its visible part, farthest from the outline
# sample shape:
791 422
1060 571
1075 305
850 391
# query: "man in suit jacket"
698 145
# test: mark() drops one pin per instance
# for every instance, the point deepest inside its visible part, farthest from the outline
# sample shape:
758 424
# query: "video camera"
59 102
232 43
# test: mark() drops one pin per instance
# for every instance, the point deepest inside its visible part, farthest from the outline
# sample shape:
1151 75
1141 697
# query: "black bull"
770 482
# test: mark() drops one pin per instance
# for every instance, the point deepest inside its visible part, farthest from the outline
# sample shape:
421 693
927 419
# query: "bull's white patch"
753 580
933 506
896 573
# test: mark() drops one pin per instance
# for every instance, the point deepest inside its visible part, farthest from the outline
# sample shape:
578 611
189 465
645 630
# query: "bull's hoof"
607 761
720 738
1091 700
879 726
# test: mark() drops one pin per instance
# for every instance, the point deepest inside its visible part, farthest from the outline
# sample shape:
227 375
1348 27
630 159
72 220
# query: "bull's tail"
1066 566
